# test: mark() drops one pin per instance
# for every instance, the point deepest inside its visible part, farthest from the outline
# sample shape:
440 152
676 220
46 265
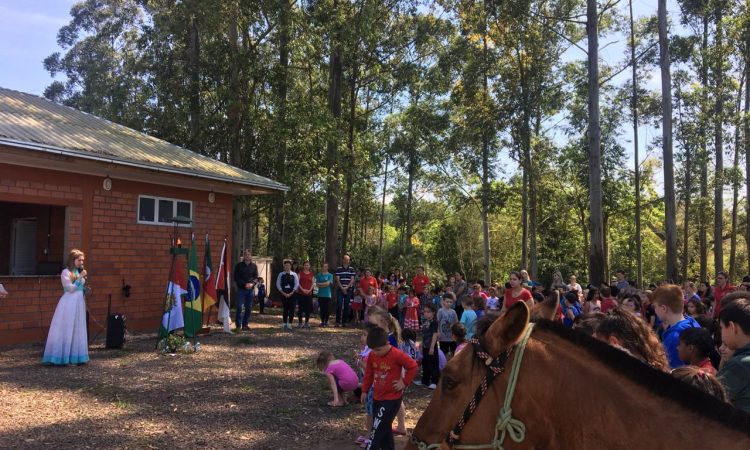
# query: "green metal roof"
35 123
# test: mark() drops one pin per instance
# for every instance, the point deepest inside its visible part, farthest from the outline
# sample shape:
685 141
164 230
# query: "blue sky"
28 34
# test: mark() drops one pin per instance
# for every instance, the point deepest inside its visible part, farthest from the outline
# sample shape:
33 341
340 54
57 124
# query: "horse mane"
656 381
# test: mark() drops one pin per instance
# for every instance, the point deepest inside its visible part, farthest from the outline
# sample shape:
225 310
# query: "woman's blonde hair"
72 256
393 326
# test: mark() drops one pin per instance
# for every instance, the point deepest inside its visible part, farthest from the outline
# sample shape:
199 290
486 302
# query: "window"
160 211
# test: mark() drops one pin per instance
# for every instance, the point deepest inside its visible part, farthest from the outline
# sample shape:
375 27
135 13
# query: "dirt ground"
255 390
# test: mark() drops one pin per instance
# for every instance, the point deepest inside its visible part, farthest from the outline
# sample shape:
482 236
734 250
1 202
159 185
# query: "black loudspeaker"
115 331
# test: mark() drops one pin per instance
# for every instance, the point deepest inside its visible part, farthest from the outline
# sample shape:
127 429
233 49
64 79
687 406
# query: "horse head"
461 381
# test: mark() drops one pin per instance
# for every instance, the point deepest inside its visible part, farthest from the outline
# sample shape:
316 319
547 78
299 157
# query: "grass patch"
244 340
122 404
300 362
249 388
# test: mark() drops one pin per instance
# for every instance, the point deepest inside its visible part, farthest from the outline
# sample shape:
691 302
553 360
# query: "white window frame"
156 211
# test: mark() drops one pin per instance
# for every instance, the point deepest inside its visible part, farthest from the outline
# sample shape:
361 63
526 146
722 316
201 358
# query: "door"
23 247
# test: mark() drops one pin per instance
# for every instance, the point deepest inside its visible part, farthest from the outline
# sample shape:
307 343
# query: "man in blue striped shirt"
344 287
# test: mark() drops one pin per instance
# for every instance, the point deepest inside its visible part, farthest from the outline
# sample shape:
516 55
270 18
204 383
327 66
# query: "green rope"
506 424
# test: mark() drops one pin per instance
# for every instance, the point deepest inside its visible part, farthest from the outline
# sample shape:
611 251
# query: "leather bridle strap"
495 366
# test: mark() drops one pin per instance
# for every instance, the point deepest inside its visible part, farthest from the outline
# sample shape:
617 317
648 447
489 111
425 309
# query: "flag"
221 278
172 316
193 310
221 285
209 280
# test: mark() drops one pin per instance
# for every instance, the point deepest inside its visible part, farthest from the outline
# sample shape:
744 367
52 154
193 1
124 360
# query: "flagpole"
203 283
227 288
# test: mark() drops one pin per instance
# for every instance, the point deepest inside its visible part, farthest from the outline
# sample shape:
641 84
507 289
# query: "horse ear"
547 309
506 330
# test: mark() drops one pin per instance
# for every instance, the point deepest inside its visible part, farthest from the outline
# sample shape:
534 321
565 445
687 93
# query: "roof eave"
270 186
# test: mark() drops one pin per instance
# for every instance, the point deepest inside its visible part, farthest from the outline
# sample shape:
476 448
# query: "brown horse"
570 392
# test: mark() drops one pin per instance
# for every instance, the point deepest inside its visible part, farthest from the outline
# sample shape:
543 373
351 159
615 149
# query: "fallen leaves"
254 390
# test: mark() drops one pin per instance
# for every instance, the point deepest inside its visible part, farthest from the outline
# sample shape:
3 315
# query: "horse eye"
448 383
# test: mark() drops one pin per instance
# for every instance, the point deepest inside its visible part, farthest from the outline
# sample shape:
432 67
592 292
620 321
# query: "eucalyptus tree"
670 209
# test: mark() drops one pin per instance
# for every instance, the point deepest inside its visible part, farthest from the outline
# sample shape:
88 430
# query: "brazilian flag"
193 310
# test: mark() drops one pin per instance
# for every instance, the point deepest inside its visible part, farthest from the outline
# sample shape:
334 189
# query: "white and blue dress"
67 341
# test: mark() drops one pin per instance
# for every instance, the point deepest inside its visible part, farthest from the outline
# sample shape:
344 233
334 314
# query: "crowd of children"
668 327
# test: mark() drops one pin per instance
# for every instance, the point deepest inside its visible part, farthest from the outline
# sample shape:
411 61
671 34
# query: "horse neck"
569 399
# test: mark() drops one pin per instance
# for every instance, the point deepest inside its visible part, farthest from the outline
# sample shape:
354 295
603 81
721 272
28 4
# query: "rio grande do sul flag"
172 317
193 310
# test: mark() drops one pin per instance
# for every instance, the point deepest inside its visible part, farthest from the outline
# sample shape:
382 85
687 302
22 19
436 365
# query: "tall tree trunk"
334 108
719 149
235 123
533 204
596 227
530 262
703 160
277 237
670 204
637 188
485 176
412 172
235 103
524 212
605 240
746 135
735 186
350 150
193 49
688 192
382 213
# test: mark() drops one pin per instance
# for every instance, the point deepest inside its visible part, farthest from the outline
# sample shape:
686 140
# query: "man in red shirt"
419 281
365 282
721 289
383 372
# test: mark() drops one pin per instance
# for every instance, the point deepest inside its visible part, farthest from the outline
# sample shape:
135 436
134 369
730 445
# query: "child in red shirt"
383 371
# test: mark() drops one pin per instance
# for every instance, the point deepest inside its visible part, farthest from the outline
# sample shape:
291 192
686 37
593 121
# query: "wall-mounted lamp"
211 197
107 183
125 289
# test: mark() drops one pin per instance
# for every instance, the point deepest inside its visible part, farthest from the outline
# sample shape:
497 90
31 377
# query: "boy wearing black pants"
383 371
430 360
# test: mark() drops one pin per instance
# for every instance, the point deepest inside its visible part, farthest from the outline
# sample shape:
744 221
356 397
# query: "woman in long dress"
67 342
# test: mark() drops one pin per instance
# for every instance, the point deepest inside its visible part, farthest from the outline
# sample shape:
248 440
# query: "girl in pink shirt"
341 377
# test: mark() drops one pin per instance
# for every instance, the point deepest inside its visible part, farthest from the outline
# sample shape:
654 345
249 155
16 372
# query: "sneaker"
432 386
245 328
299 325
307 325
418 383
289 326
283 326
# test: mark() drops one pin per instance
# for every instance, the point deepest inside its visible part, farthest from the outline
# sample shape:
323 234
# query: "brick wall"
103 224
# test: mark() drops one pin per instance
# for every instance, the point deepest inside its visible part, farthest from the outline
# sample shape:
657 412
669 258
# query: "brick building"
72 180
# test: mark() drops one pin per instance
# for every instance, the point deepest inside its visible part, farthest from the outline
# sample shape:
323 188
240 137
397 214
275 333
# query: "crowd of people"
701 336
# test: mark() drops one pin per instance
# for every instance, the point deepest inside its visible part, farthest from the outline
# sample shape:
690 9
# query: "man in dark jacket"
245 277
